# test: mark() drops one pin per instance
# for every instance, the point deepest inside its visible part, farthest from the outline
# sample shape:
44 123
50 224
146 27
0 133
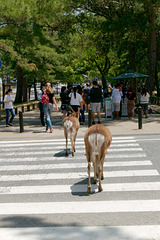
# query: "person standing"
49 106
39 96
95 98
116 99
75 100
8 105
64 101
82 111
144 100
131 102
87 96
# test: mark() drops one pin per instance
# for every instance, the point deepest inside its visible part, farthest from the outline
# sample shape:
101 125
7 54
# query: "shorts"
75 107
87 100
144 106
95 107
116 107
64 108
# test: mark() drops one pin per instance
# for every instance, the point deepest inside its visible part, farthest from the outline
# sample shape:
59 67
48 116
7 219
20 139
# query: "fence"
26 106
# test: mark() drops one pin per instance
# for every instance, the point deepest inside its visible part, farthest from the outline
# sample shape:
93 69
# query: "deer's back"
98 136
71 122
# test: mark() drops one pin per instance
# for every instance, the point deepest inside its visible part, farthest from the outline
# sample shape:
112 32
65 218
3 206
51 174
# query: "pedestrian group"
83 99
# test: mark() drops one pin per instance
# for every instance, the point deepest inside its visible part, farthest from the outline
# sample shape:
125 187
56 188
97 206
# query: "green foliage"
51 40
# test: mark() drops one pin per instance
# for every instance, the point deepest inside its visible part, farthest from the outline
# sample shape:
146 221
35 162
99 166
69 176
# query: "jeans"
83 115
41 113
47 112
8 114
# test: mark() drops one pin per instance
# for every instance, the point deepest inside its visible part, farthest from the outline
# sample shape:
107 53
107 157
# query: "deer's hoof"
100 189
102 178
94 181
72 154
89 190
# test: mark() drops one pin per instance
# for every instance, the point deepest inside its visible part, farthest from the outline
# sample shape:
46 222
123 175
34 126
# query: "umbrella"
130 74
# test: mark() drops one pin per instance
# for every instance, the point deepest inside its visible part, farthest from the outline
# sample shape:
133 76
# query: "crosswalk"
43 193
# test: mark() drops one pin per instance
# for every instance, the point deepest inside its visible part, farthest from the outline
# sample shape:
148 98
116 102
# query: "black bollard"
139 117
89 117
21 121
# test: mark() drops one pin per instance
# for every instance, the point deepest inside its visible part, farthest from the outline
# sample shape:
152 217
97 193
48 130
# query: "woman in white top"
8 105
76 100
144 100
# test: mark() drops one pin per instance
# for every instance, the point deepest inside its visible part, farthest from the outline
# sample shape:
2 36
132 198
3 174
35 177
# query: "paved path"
33 129
43 193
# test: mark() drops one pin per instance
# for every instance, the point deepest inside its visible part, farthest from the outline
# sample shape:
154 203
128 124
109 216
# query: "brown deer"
97 140
71 126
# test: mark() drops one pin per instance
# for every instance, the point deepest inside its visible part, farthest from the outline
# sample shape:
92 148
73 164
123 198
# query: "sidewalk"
33 129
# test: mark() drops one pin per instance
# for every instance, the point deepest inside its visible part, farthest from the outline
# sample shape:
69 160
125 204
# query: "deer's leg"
74 141
89 178
99 175
102 176
95 172
72 144
102 162
66 136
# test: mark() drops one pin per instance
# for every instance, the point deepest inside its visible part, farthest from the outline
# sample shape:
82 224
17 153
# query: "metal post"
21 121
139 117
89 117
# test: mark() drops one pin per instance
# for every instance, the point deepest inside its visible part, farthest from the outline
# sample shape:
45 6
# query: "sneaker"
7 125
10 124
93 123
99 122
51 130
146 116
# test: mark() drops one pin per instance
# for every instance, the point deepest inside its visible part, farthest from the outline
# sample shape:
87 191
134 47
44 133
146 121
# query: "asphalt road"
43 193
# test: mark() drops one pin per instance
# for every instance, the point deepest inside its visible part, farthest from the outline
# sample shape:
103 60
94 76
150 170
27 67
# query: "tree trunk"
153 50
157 83
35 89
24 90
133 58
104 81
19 93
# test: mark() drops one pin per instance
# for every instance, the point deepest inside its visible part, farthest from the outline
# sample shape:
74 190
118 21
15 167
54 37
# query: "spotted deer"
97 140
71 126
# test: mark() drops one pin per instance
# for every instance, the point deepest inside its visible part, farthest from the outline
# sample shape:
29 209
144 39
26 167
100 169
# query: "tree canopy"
53 40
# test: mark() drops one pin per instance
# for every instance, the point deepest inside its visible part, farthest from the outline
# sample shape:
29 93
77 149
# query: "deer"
71 126
97 140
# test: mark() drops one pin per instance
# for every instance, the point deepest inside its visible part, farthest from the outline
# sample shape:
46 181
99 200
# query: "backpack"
45 99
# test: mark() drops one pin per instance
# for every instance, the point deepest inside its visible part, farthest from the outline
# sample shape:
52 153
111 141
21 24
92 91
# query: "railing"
30 106
26 106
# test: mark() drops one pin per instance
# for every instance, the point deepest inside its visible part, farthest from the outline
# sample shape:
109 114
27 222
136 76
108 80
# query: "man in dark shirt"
95 98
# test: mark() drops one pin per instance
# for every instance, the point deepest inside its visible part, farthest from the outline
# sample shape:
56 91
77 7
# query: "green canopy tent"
130 74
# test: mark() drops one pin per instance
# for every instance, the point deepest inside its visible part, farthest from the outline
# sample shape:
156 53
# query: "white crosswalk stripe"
144 186
76 207
39 181
70 166
87 233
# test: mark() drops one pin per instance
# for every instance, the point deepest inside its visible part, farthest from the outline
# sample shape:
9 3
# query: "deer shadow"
80 188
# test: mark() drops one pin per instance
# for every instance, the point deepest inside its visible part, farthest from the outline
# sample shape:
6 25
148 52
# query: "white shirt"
39 95
144 99
75 101
116 95
6 99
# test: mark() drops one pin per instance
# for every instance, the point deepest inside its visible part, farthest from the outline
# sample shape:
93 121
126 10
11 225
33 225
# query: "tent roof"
130 74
